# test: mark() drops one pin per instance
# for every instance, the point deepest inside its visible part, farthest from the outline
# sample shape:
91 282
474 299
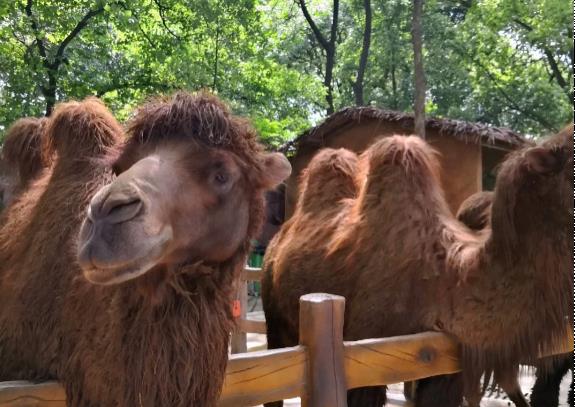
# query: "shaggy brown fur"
398 249
128 344
21 159
475 212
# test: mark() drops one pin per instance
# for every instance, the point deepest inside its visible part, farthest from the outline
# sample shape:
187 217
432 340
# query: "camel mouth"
112 271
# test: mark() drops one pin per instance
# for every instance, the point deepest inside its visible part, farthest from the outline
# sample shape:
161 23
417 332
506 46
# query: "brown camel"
475 212
120 286
21 160
397 248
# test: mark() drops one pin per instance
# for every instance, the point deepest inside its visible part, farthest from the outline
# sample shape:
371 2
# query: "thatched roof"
467 131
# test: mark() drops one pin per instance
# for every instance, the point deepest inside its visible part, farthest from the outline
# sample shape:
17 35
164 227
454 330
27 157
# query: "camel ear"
542 160
276 168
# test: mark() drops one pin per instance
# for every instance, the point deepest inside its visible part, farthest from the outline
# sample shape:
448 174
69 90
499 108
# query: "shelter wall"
461 163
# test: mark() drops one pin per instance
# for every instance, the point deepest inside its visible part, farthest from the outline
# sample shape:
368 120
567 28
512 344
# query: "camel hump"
475 211
22 148
330 177
79 130
410 152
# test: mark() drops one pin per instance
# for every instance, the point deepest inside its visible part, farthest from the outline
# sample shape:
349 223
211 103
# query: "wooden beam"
239 340
321 332
252 274
252 325
259 377
374 362
28 394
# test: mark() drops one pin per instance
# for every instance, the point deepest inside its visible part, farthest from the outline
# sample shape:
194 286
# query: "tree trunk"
328 45
419 73
328 81
358 85
49 92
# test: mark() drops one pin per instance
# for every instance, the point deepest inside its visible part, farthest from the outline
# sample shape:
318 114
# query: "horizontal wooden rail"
374 362
258 377
252 274
27 394
252 325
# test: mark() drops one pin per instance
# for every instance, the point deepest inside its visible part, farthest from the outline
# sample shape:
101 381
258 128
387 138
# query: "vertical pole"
321 332
239 341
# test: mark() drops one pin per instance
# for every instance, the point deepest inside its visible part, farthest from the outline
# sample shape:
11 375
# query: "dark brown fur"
475 211
158 340
397 249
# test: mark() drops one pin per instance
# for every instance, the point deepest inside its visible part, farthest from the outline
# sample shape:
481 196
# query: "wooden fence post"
321 332
239 341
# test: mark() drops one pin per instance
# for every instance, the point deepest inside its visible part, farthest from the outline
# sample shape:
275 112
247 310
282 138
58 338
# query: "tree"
418 72
53 55
362 66
329 47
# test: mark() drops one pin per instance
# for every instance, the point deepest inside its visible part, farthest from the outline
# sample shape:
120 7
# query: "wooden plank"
374 362
252 274
321 332
27 394
563 345
252 325
260 377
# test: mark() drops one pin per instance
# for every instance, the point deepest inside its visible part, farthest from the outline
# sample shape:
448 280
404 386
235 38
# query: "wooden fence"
258 377
244 324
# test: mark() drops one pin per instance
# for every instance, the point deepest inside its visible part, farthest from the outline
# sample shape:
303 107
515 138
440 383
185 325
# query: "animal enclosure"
468 151
259 377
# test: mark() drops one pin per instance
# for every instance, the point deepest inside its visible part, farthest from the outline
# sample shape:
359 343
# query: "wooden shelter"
469 151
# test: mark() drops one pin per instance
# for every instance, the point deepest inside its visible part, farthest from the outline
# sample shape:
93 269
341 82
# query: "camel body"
406 265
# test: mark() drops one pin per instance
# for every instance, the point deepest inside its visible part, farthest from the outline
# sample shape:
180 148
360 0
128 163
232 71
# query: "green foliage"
503 62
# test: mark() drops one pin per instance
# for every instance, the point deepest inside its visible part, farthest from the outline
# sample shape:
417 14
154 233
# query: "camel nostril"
123 210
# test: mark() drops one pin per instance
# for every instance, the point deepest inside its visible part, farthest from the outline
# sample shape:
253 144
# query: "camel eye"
221 178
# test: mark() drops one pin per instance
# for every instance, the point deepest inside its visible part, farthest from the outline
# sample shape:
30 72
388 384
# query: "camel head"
21 160
475 211
534 192
189 188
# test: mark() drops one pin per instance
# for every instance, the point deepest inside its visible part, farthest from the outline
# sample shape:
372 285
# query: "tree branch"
74 33
161 10
318 35
550 59
335 16
358 84
39 41
513 104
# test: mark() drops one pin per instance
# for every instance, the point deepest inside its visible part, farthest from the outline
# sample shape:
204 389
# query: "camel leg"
276 337
508 381
440 391
547 384
374 396
474 396
409 389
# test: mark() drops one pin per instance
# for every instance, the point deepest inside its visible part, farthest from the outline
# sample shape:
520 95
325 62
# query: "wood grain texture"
321 332
258 377
27 394
373 362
